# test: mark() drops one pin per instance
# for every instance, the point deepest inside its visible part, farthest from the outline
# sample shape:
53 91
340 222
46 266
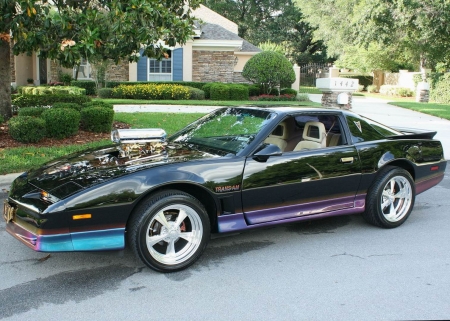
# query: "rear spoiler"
413 133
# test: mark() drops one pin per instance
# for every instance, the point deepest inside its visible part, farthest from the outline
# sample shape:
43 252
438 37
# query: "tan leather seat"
279 136
314 136
333 139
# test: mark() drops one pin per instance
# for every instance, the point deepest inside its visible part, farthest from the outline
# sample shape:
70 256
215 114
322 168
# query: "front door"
42 71
299 183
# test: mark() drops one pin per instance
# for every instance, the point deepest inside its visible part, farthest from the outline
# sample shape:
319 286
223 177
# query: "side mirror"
267 151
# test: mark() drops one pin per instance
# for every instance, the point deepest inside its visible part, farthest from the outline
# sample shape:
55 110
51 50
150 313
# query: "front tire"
390 199
169 231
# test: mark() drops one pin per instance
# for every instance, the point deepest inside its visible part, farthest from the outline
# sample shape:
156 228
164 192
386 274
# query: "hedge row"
198 85
48 100
88 85
152 91
219 91
52 90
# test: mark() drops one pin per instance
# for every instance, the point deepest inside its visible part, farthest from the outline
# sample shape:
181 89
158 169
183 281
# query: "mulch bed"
81 138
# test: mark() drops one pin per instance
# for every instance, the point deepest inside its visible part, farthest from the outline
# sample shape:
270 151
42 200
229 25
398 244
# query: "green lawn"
439 110
14 160
225 103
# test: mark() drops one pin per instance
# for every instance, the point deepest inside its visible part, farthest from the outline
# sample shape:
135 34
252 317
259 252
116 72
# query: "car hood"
67 175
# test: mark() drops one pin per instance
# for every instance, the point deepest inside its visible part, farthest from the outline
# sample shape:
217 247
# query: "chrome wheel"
174 234
390 199
396 199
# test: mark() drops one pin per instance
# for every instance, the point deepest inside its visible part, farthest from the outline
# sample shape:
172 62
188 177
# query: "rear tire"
390 199
169 231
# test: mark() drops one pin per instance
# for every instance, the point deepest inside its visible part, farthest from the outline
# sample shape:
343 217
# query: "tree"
276 21
418 30
269 69
96 30
374 57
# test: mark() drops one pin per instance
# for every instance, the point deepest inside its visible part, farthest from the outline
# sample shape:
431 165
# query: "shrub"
2 120
276 98
48 100
97 119
88 85
238 92
302 97
66 78
152 91
220 92
61 122
98 103
31 111
27 129
269 69
254 90
196 94
360 88
288 91
53 90
207 89
405 92
75 106
105 92
391 90
441 93
372 89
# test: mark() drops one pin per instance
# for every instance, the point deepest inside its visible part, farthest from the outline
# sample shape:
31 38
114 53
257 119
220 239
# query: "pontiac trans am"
232 170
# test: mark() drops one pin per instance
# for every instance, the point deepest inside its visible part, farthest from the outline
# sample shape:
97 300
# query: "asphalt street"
338 268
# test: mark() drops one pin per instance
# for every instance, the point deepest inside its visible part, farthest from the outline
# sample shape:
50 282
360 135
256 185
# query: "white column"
187 61
296 84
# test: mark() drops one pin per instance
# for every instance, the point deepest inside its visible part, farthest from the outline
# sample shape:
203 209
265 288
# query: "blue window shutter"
177 60
142 68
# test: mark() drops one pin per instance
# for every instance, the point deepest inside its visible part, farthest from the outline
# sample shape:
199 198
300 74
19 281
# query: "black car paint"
111 195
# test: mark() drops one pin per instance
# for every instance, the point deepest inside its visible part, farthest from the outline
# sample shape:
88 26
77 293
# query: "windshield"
227 129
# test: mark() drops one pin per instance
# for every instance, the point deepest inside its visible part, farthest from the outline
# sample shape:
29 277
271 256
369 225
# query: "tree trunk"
5 80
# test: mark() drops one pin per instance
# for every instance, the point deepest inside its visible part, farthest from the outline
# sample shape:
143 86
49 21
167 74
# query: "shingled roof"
212 31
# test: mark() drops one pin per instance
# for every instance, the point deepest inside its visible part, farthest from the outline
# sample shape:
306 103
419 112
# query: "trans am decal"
230 188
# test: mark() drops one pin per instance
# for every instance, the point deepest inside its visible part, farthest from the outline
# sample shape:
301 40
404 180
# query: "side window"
361 131
307 131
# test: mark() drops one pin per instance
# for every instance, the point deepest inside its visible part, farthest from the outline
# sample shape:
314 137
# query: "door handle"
347 160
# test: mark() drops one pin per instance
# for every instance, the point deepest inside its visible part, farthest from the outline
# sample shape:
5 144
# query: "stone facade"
329 99
12 64
423 96
119 72
213 66
238 79
55 71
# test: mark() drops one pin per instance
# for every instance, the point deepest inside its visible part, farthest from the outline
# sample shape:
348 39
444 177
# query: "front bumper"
61 240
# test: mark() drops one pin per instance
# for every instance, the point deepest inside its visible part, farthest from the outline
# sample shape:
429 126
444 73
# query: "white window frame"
161 74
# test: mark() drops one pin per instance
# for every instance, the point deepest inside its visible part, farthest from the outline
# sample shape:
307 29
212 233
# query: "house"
215 53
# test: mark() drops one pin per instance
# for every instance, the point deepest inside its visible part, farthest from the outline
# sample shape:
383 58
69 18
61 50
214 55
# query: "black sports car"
232 170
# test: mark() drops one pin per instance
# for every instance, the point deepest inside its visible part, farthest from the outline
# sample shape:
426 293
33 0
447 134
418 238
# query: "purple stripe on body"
237 222
281 213
429 183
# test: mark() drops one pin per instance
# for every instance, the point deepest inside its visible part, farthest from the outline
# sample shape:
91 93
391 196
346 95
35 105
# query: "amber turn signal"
81 216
